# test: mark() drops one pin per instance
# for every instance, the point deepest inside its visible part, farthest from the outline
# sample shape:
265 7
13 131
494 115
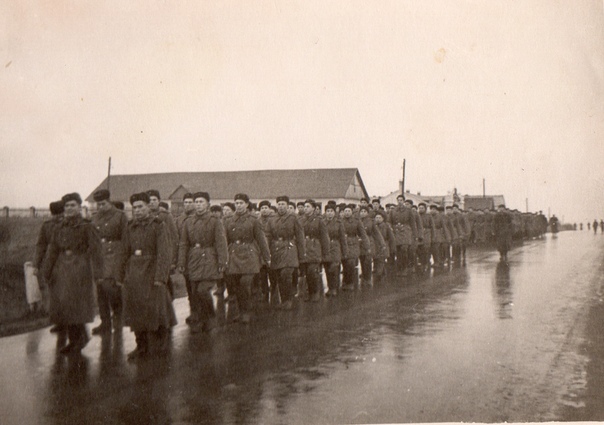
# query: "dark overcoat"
112 227
247 244
317 238
338 247
285 238
355 237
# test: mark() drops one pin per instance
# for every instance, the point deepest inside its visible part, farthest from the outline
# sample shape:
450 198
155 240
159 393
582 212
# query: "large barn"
339 184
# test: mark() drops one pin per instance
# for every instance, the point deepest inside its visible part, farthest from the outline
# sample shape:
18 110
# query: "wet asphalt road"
485 343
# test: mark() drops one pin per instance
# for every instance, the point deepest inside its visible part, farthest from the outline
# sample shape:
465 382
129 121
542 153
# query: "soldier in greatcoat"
171 228
502 230
405 233
285 237
111 225
317 248
452 246
44 237
338 250
442 235
188 204
425 246
246 247
355 237
148 306
377 246
464 231
267 278
203 253
73 262
385 229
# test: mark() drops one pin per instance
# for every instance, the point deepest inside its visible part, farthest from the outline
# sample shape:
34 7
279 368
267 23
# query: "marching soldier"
405 232
464 231
502 230
338 250
442 236
44 237
317 248
147 301
377 246
454 231
420 234
188 212
286 241
355 236
246 246
165 217
268 280
390 244
111 225
425 246
73 261
203 253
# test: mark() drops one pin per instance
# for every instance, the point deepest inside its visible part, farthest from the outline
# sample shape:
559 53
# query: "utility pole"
403 181
526 204
109 175
484 193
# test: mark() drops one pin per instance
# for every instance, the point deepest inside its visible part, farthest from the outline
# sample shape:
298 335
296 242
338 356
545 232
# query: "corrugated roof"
317 183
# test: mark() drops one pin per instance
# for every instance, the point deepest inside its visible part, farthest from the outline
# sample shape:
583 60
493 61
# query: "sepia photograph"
301 212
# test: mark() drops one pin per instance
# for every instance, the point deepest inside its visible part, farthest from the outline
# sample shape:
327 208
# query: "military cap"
300 204
290 203
187 195
381 213
72 197
119 205
441 208
264 203
351 206
311 202
57 207
390 205
455 206
283 198
342 205
501 206
164 205
421 204
364 207
414 207
229 205
448 207
409 201
143 196
274 208
101 195
252 206
434 207
375 200
242 197
364 199
204 195
331 202
400 196
215 208
153 192
330 207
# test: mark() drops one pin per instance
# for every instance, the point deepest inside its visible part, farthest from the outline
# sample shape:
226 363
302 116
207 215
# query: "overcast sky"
509 91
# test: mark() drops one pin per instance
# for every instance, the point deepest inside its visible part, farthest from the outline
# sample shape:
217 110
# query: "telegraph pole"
403 182
109 175
483 188
526 204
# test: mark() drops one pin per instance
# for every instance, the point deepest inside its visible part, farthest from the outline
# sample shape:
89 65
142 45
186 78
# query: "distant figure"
588 226
575 226
601 226
163 206
595 227
554 222
502 230
580 226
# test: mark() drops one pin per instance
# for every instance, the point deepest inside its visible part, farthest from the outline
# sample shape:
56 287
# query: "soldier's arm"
162 267
95 252
260 238
41 246
173 236
343 242
364 237
300 241
380 244
221 244
324 234
413 227
183 247
391 239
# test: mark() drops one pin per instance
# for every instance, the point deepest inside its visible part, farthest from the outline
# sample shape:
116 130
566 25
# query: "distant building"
482 202
339 184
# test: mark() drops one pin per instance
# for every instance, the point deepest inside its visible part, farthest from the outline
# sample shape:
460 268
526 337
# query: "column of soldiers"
267 256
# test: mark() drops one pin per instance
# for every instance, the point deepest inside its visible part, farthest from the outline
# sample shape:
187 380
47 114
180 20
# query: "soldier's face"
422 209
201 205
309 209
217 214
347 212
407 205
140 210
227 211
104 205
265 210
282 207
188 204
379 219
72 209
290 208
240 206
363 213
401 202
363 203
330 213
376 206
153 203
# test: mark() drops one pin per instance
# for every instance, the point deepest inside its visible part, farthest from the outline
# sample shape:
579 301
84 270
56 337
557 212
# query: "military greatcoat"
317 238
355 236
285 237
112 227
247 244
338 247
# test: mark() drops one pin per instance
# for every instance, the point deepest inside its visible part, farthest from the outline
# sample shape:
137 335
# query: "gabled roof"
482 202
316 183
